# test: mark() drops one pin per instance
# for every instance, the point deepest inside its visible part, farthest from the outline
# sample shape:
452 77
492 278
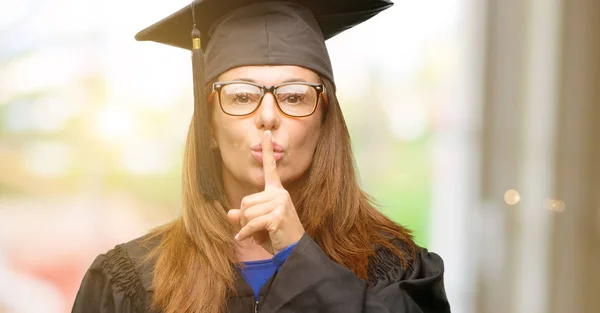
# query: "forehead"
270 74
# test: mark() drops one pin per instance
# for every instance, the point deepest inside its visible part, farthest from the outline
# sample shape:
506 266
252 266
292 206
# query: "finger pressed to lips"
257 212
272 179
257 150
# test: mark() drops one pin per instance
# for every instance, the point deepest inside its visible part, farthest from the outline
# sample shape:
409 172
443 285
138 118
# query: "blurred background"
474 123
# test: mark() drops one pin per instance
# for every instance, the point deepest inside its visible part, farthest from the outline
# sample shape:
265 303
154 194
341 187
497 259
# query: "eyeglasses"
239 98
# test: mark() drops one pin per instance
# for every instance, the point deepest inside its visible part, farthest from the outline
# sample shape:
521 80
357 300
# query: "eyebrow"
289 80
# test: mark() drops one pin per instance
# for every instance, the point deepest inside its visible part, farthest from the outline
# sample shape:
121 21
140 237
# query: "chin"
256 178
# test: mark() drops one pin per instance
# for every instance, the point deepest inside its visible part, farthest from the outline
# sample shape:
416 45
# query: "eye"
241 98
293 98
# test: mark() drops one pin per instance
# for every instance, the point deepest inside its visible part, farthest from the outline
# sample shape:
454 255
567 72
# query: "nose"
268 116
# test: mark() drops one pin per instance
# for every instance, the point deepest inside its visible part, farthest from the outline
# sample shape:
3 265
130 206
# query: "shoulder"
128 264
422 277
120 278
419 262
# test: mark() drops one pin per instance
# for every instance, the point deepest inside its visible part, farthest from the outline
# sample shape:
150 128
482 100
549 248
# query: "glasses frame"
218 86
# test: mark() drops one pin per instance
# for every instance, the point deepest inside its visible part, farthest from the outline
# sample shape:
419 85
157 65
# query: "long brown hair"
194 270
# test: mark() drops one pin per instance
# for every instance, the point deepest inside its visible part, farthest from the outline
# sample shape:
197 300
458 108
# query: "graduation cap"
234 33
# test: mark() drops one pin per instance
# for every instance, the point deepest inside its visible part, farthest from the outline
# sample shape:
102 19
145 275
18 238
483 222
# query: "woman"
273 218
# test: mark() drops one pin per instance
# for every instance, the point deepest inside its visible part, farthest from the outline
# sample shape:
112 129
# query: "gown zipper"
256 307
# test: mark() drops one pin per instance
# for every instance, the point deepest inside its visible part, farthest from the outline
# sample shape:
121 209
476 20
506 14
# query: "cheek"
229 137
313 132
226 130
302 146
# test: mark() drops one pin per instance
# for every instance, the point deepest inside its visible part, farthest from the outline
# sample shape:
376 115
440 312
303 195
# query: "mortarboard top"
333 17
262 32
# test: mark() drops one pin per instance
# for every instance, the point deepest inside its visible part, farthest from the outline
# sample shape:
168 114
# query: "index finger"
272 179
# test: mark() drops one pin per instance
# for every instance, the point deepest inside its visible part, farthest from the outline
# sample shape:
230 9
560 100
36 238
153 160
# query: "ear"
213 142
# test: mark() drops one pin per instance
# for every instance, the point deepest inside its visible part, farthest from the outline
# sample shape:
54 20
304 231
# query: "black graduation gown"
308 281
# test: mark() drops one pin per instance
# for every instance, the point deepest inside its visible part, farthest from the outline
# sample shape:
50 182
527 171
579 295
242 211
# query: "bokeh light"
512 197
554 205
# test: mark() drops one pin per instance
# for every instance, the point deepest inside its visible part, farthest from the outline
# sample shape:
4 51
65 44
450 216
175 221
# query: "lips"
276 147
258 155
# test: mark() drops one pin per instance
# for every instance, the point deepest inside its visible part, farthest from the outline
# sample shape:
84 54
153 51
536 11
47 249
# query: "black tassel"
206 175
198 72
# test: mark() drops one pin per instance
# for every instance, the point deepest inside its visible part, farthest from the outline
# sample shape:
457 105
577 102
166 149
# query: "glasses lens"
297 99
240 98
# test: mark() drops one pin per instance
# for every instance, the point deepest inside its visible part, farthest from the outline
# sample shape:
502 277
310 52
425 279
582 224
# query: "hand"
268 216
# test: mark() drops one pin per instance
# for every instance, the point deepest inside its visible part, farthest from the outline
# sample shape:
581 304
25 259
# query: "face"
237 136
